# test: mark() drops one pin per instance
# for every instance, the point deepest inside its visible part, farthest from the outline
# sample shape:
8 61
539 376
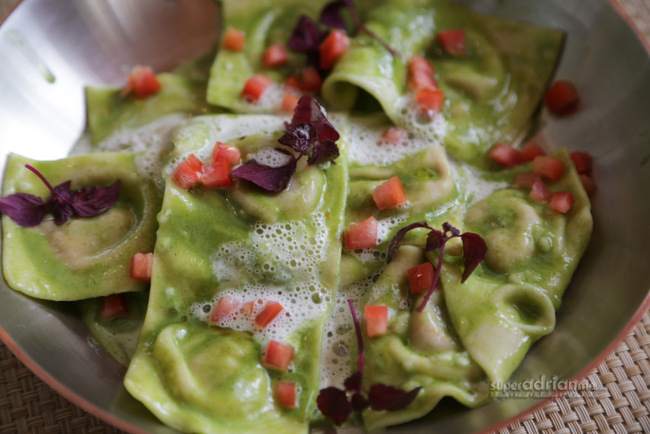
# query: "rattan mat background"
620 403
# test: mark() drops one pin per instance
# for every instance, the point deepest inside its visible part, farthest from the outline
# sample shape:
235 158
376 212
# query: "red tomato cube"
274 56
270 310
230 153
310 80
113 306
529 152
429 101
293 83
332 48
362 235
549 167
389 194
562 98
255 87
452 41
278 356
289 102
582 161
217 174
143 82
588 184
562 201
234 39
421 73
376 317
189 172
420 277
286 392
223 308
504 155
539 191
395 135
141 266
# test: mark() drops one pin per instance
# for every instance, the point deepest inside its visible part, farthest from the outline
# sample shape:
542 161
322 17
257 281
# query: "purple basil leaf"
25 209
322 152
60 203
400 234
269 178
383 397
359 402
331 14
353 382
435 240
306 36
307 111
446 227
326 131
334 404
299 137
89 202
474 250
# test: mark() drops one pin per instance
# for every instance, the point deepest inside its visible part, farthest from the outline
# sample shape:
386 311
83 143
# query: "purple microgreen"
333 403
270 178
389 398
25 209
337 404
474 250
299 138
28 210
400 234
306 36
331 15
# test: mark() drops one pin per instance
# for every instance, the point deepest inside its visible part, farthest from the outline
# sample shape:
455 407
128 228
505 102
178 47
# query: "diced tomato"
141 266
247 308
562 98
389 194
189 172
504 154
278 355
310 80
362 235
143 82
420 277
539 191
561 201
429 101
217 174
274 56
234 39
588 184
549 167
376 317
395 135
113 306
529 152
452 41
289 102
293 82
255 87
332 48
421 73
286 392
223 308
525 179
230 153
582 161
270 310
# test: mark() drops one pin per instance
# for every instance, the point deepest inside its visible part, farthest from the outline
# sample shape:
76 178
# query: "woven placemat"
617 397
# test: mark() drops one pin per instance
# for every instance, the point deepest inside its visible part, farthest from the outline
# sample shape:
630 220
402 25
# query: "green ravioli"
251 245
84 257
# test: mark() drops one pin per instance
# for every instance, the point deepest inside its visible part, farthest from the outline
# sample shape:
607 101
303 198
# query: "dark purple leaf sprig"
474 250
306 36
338 404
309 133
28 210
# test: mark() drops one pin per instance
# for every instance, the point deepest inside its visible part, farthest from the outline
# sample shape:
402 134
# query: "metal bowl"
51 49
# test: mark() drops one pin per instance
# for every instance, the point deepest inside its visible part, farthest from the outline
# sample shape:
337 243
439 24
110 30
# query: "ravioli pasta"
248 246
